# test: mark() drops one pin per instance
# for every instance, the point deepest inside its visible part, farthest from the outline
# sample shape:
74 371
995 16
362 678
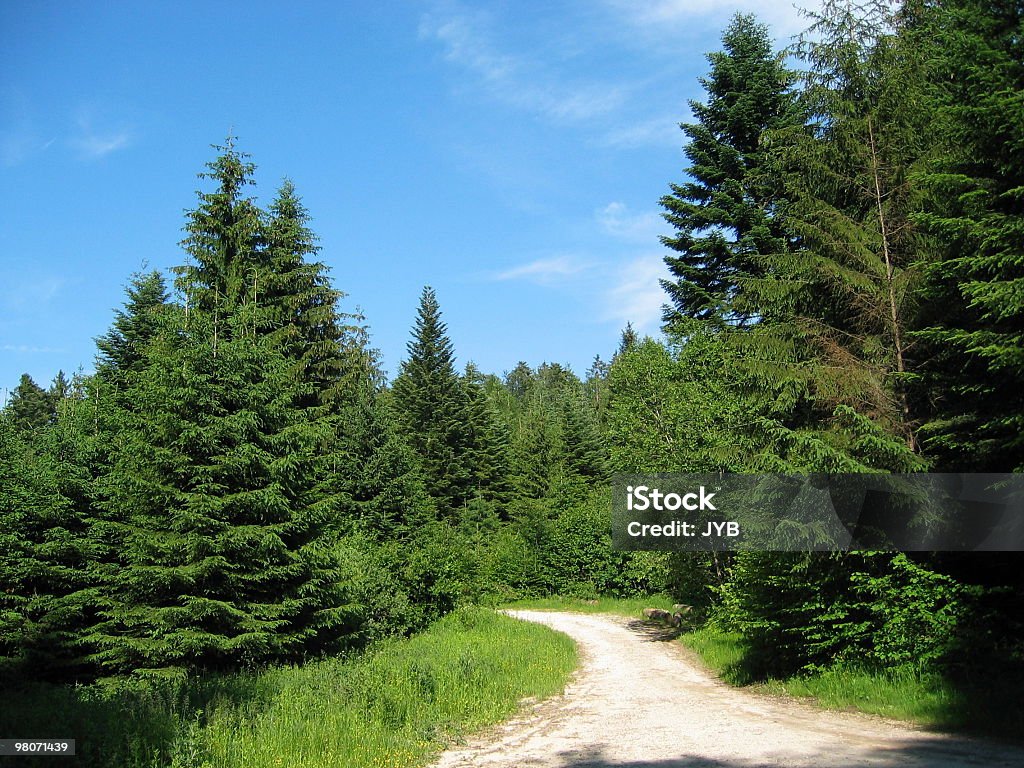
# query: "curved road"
639 702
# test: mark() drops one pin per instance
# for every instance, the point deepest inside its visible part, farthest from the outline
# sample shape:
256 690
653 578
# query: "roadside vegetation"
987 704
199 538
396 705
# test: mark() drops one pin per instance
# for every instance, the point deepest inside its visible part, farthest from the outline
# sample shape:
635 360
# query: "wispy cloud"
637 295
545 271
664 16
616 219
520 81
657 131
94 142
625 289
34 293
31 349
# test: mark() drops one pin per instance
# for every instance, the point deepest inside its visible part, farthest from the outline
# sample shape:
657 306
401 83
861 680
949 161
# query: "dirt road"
637 701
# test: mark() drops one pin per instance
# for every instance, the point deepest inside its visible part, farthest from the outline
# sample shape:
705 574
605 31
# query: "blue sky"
510 154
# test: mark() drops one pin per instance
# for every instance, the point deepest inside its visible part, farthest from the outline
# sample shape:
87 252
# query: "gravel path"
640 702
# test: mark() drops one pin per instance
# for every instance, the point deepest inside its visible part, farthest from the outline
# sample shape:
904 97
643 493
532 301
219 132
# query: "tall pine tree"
430 403
215 493
727 214
974 337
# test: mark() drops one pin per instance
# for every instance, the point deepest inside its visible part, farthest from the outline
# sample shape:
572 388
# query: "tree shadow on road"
654 631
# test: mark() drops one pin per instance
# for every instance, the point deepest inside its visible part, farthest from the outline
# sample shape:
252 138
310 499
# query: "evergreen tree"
301 305
974 334
596 385
828 359
430 403
30 407
584 450
382 489
217 494
59 391
727 215
224 242
489 442
44 566
122 350
627 340
224 552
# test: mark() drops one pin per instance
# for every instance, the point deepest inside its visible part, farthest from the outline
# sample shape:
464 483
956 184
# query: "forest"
238 485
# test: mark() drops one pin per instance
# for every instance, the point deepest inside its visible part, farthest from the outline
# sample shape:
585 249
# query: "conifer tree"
828 359
974 333
224 243
122 350
49 587
29 408
301 305
216 493
430 403
489 442
727 215
382 490
584 450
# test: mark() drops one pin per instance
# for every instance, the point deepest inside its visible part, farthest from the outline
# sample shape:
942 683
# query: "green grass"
989 705
394 706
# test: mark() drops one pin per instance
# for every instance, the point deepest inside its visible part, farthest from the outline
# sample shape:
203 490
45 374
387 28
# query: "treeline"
846 266
237 485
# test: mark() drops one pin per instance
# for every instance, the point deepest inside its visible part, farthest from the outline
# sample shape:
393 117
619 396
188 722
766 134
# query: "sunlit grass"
986 706
397 705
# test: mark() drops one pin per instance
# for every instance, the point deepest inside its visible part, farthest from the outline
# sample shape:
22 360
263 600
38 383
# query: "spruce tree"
974 335
30 407
829 358
223 241
489 442
122 350
301 305
49 584
217 492
373 467
726 215
430 403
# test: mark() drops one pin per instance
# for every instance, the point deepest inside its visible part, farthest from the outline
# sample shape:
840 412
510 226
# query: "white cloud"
93 143
658 131
637 295
545 271
522 82
31 292
31 349
617 221
620 291
96 146
783 17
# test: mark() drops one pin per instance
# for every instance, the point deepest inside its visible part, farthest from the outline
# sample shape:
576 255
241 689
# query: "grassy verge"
395 706
989 705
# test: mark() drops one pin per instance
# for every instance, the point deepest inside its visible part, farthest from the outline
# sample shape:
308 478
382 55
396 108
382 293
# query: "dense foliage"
237 483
